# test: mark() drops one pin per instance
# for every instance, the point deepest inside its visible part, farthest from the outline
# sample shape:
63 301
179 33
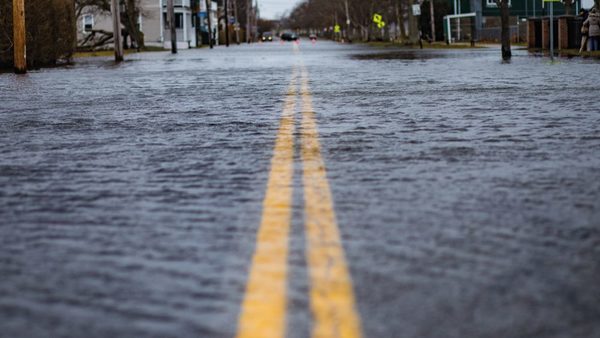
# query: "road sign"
336 28
378 19
416 9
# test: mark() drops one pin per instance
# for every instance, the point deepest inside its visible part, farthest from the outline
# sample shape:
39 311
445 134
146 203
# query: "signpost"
378 19
551 27
416 9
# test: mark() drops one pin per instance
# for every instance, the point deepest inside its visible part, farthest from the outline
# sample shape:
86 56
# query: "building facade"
93 24
485 25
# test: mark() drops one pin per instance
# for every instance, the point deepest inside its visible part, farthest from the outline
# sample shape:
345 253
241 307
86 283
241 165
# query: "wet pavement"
466 191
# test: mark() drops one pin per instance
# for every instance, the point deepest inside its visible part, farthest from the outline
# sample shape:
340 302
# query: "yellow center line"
264 306
331 295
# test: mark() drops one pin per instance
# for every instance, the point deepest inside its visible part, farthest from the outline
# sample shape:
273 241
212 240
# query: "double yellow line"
263 312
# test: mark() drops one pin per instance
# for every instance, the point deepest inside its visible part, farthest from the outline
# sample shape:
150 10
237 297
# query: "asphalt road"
310 190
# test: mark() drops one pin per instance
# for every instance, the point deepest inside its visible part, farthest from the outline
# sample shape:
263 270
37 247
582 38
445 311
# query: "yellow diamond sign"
378 19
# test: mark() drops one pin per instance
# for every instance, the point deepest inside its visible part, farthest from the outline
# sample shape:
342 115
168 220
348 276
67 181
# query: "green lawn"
110 52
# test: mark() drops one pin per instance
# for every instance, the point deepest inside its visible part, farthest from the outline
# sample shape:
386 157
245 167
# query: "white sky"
272 9
587 4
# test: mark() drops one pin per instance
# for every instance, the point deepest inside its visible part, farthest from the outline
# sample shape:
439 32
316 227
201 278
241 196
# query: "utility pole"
19 36
226 24
432 19
255 14
248 8
237 23
172 25
551 30
208 14
347 22
116 16
412 23
335 23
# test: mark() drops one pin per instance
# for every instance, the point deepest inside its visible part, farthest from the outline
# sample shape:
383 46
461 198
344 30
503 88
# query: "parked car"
266 37
288 36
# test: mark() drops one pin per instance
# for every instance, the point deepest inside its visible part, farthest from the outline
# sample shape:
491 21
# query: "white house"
153 23
184 23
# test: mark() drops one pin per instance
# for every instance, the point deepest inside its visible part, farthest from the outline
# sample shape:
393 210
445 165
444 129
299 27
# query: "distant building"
185 24
153 23
486 23
92 23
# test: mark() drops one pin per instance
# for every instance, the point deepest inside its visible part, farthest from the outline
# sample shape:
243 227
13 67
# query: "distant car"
287 36
267 37
313 37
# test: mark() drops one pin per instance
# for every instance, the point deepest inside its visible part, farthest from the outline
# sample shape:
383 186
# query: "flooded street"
466 191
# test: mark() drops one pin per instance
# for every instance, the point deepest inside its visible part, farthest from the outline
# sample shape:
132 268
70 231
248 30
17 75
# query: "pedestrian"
584 31
593 26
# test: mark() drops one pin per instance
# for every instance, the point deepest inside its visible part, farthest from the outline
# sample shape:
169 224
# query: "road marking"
331 295
264 306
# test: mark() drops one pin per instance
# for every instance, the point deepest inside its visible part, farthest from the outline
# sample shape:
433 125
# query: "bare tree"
129 19
319 15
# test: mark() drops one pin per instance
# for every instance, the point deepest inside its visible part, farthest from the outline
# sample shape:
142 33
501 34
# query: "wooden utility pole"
116 16
20 50
505 30
226 23
172 25
208 13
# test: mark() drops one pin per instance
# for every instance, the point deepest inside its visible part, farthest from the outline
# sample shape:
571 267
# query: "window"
178 20
492 3
88 23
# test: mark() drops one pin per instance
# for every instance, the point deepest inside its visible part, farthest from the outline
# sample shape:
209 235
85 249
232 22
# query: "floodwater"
467 191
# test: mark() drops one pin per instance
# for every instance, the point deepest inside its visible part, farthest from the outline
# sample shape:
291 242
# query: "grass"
426 45
466 45
110 52
568 53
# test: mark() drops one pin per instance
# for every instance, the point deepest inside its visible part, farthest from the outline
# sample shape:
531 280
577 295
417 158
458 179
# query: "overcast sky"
272 9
